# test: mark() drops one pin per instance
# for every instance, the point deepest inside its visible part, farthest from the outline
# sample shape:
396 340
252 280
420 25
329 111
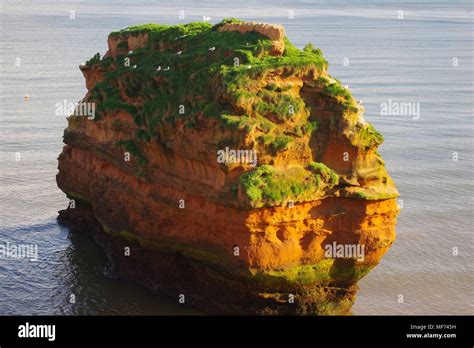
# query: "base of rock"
205 287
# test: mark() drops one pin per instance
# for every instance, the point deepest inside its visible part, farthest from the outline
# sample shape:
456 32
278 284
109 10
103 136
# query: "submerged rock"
226 168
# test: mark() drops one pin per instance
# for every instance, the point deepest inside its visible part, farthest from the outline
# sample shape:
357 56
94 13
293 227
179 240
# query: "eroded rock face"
239 235
275 33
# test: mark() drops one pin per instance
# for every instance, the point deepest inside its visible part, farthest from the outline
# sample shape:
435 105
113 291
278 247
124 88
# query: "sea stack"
226 169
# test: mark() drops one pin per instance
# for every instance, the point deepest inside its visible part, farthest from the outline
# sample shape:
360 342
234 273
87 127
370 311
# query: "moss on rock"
268 186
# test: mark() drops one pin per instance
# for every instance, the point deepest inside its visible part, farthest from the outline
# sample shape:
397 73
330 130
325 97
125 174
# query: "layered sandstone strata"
163 169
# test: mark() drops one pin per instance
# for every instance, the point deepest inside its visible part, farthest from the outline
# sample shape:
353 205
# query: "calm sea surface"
404 60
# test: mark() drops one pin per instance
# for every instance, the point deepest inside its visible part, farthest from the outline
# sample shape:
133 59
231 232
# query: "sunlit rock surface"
238 172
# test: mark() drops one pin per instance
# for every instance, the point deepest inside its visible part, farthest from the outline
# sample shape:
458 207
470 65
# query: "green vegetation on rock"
193 73
333 88
320 273
369 195
190 72
324 173
134 150
95 59
197 74
268 186
278 106
280 143
368 137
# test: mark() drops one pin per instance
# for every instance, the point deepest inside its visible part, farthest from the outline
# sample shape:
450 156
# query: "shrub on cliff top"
310 48
95 59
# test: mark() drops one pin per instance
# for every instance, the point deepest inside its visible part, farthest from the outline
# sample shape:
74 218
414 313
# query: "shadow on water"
83 277
71 267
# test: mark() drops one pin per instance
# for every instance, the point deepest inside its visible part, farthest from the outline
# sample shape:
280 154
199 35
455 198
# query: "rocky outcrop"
225 167
275 33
